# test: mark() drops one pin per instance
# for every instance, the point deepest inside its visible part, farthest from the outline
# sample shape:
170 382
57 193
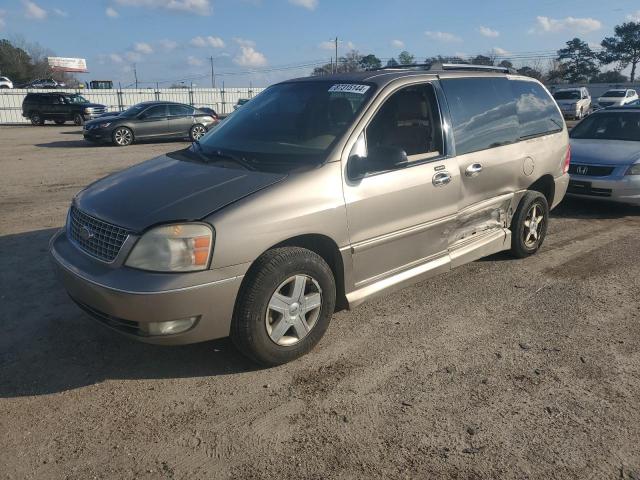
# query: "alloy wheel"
197 132
533 225
123 136
293 310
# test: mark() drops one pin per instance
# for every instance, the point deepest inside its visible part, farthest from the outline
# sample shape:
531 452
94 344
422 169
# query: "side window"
483 112
157 111
180 110
409 120
537 112
55 100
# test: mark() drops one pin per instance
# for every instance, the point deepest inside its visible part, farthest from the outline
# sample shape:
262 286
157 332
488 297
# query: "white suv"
5 83
573 102
617 97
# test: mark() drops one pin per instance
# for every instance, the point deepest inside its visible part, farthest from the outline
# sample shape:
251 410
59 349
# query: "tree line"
22 61
577 62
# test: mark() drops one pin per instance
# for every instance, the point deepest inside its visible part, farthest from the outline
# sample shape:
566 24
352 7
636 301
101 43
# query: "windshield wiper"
218 154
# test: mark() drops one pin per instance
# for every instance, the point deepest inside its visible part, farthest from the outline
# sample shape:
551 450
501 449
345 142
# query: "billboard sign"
62 64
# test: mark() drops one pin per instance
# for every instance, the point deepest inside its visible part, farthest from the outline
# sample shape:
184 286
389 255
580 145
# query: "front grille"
590 170
125 326
606 104
97 238
97 110
585 188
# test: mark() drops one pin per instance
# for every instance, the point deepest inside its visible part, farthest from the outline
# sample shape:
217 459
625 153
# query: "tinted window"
409 119
567 95
181 110
537 112
614 94
483 112
609 126
158 111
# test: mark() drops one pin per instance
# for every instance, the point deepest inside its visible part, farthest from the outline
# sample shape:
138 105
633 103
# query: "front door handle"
473 170
440 179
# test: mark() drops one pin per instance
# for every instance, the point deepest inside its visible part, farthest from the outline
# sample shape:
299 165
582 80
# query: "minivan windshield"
567 95
289 124
609 126
615 93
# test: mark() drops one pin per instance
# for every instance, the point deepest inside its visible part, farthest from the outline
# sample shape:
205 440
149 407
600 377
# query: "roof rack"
439 67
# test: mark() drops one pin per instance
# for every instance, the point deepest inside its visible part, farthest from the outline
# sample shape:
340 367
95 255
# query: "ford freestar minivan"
317 195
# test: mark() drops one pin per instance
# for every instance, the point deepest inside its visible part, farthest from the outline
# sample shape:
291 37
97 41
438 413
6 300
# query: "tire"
36 119
78 119
60 122
270 296
122 137
197 131
524 242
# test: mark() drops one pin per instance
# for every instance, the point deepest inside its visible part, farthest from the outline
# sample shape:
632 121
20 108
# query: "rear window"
614 93
567 95
483 111
537 112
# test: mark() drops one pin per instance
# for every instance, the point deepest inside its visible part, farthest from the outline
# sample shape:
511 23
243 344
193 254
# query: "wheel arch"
546 186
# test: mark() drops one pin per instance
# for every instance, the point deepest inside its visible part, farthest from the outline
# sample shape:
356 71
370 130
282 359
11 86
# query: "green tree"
505 64
623 48
405 58
578 61
15 63
370 62
530 72
392 62
482 60
612 76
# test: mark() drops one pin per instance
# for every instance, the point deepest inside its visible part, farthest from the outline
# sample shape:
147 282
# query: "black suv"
59 107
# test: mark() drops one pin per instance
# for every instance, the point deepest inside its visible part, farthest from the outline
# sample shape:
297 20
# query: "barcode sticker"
349 88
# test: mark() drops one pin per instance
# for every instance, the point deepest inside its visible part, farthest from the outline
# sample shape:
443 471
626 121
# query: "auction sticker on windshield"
349 88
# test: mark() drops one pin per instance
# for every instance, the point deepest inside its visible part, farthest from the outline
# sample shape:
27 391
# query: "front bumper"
126 299
561 185
97 135
614 188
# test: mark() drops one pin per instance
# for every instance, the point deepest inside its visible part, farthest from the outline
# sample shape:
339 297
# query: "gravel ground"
503 368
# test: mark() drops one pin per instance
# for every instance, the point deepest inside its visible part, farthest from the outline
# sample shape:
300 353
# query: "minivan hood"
568 102
164 190
604 152
616 100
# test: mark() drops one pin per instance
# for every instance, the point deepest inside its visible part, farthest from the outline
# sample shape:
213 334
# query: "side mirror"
379 159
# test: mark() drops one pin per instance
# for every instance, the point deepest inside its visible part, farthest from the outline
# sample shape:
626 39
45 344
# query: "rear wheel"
122 136
284 306
78 119
529 225
36 118
197 132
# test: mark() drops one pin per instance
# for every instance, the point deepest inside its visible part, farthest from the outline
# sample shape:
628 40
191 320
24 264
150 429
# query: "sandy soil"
503 368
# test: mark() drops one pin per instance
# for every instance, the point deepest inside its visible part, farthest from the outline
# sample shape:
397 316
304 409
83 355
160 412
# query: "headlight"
104 125
88 110
634 169
173 248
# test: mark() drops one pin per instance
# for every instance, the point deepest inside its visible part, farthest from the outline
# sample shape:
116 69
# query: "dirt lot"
526 369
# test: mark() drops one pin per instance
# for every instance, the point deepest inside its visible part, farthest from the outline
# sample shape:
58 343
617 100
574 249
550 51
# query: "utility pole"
213 76
135 74
336 55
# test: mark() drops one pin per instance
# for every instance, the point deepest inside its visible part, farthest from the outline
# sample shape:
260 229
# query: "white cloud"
198 7
143 48
115 58
331 45
244 42
194 62
488 32
210 41
308 4
443 36
249 57
568 24
60 13
168 44
111 12
634 17
501 52
3 23
397 44
133 56
33 11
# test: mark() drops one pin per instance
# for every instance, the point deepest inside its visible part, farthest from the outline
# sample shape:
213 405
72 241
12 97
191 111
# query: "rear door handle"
473 170
441 179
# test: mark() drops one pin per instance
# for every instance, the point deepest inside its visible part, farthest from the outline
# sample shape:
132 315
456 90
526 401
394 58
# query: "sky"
260 42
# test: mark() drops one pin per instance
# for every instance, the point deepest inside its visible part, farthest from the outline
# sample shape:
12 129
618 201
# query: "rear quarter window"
483 113
537 111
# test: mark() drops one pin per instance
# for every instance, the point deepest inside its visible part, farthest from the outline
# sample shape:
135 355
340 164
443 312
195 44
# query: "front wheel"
36 119
284 306
122 137
197 132
529 224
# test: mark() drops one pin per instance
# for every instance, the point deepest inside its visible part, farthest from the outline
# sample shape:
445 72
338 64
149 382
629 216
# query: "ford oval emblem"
86 233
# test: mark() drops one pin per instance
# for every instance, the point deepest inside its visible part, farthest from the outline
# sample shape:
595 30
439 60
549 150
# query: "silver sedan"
605 156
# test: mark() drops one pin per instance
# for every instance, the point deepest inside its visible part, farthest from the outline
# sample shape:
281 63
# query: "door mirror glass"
379 159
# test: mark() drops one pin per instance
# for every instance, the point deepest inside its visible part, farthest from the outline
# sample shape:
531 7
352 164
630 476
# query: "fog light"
168 328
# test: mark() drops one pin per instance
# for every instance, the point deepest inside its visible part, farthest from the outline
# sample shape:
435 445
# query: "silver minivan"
319 194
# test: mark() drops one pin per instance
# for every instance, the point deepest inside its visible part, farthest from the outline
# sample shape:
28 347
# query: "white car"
5 83
573 102
617 97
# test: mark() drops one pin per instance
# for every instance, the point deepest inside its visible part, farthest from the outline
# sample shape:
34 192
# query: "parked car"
605 163
240 103
45 83
149 120
210 111
320 193
617 98
5 83
59 107
573 102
